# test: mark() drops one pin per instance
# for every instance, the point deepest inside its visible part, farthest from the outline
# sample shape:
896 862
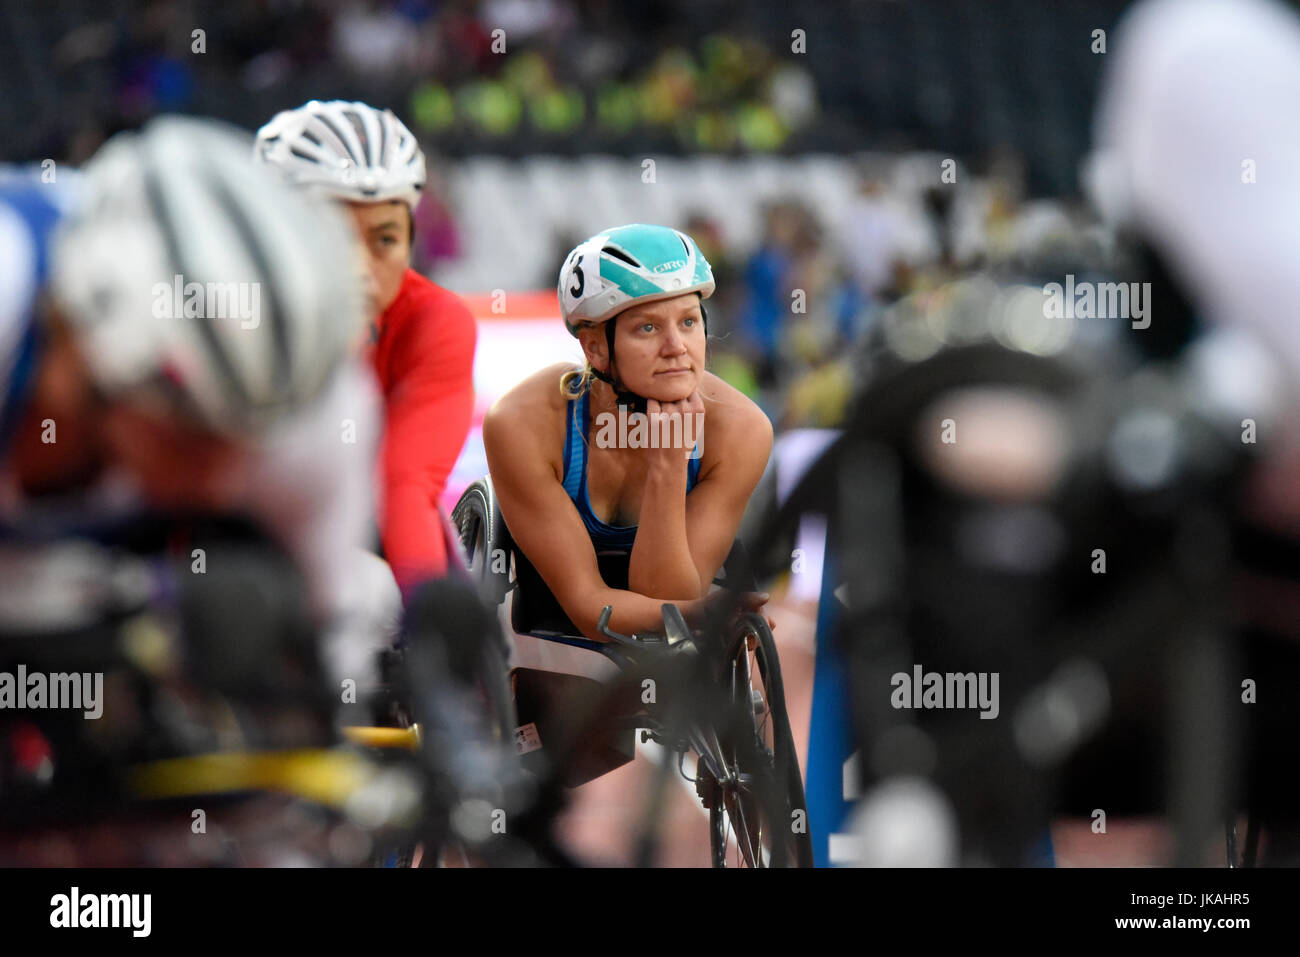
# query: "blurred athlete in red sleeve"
422 337
423 354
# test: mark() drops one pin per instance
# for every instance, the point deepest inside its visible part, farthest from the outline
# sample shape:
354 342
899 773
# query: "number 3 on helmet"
620 267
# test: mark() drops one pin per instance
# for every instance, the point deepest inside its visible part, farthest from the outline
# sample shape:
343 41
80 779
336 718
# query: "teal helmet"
620 267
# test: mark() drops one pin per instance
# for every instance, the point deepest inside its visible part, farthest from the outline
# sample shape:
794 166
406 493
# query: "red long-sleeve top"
422 351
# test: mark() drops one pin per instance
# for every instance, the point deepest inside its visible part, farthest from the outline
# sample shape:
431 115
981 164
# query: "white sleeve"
311 481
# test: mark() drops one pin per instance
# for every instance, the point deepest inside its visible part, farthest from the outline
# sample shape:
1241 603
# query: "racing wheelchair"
221 735
716 693
213 740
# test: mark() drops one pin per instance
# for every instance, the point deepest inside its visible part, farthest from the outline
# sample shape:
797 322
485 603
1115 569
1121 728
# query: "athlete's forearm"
661 563
631 612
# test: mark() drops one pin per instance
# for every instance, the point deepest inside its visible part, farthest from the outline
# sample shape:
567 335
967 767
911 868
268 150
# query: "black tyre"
478 659
763 822
484 540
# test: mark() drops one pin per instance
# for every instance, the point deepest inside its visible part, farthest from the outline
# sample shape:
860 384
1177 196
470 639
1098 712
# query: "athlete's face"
175 464
58 445
384 230
659 348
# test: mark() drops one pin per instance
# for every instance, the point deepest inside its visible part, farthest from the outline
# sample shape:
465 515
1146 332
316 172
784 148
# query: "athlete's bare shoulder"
727 405
736 430
531 414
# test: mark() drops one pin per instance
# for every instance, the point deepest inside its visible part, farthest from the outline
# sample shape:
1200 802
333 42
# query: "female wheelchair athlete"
603 519
579 703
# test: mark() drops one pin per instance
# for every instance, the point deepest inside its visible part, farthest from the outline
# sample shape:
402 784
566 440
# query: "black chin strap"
629 400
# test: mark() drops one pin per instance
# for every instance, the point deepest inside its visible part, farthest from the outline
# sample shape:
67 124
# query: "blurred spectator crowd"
504 76
792 312
516 77
533 80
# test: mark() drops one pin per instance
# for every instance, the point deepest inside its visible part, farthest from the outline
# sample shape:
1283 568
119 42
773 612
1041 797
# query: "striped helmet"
626 265
347 151
190 274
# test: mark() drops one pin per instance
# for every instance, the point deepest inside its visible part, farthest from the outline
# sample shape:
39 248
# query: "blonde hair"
573 385
576 381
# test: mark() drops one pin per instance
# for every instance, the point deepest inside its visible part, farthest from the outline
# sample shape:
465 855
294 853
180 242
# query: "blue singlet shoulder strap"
575 446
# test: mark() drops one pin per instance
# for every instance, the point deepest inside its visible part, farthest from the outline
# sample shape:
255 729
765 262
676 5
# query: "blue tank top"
603 535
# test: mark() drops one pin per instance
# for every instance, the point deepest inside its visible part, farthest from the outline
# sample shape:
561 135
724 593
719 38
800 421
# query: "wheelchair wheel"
480 531
764 821
482 536
455 683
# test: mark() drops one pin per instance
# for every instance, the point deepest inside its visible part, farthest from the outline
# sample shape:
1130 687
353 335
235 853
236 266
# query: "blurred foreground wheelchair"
215 740
225 736
1049 501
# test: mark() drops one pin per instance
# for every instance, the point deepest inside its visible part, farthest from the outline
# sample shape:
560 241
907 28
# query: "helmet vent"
360 128
619 254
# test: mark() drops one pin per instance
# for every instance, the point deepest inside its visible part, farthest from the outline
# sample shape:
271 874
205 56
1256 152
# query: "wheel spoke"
755 802
743 827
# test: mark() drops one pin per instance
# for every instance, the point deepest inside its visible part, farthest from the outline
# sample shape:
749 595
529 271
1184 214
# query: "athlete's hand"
697 611
679 425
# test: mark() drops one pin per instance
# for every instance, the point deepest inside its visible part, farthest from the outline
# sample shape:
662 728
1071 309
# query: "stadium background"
801 145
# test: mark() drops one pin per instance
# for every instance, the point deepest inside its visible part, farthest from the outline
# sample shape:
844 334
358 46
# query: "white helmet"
347 151
190 274
1197 96
625 265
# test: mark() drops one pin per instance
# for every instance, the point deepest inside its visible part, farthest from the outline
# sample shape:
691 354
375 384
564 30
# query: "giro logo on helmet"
613 270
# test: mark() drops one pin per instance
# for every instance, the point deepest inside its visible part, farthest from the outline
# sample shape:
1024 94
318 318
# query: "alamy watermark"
208 300
36 690
946 690
1098 300
635 430
74 909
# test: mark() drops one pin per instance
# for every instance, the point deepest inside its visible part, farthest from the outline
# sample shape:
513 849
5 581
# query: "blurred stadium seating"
582 76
